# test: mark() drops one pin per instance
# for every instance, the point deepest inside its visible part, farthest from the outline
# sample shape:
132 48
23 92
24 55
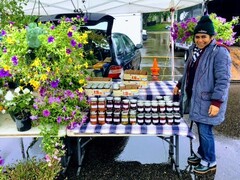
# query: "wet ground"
145 157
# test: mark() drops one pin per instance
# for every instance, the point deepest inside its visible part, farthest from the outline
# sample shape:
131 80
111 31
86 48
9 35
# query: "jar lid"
109 98
93 99
101 99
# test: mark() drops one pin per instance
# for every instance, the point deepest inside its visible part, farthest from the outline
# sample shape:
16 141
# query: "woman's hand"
176 91
213 110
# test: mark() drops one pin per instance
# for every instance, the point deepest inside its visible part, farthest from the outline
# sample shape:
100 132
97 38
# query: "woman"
204 91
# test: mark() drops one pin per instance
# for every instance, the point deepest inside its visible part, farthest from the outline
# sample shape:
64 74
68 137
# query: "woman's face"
202 40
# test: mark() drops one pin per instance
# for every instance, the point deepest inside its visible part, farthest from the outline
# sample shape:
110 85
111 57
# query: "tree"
12 11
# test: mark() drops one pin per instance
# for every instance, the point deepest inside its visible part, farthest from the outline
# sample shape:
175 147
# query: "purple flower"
59 119
15 60
68 93
42 91
72 125
79 45
64 108
4 50
33 118
69 34
52 27
46 113
68 51
54 84
4 73
78 17
73 113
73 42
68 20
3 33
53 100
51 39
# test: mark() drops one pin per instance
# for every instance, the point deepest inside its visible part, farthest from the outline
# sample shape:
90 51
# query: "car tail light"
115 71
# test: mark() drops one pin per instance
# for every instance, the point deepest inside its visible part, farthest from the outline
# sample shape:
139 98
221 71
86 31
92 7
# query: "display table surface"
8 129
157 88
130 130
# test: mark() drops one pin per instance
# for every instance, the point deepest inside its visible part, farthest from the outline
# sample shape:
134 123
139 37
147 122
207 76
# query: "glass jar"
162 118
101 117
155 118
169 107
162 107
101 104
176 107
124 117
169 118
148 118
140 107
93 104
147 107
133 117
159 98
109 102
109 116
93 117
154 106
176 118
133 104
140 118
125 104
116 117
117 103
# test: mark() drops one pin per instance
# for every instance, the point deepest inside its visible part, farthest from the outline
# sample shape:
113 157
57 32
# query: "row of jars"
132 117
117 104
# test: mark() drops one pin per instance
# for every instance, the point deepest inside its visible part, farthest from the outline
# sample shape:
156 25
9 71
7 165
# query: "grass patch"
157 27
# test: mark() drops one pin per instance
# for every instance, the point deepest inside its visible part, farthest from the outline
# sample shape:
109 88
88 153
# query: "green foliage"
12 11
157 27
31 169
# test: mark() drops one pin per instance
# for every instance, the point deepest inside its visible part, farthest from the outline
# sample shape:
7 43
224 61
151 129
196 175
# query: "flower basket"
183 31
23 124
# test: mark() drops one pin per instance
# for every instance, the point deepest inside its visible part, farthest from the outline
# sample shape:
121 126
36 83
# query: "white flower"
3 111
9 96
17 90
26 91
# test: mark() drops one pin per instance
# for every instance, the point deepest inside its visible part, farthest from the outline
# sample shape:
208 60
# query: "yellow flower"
6 68
81 81
35 84
70 60
36 62
80 89
43 77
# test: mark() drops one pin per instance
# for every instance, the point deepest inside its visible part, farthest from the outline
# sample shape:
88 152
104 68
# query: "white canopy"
48 7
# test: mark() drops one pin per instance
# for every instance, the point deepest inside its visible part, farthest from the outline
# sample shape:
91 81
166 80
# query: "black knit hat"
205 26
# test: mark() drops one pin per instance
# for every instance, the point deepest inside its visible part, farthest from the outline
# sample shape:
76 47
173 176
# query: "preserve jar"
101 117
116 117
176 118
176 107
148 118
124 117
162 107
140 107
169 118
155 118
162 118
133 117
147 107
93 117
140 118
101 104
93 104
117 103
154 106
169 107
125 104
109 116
133 104
109 102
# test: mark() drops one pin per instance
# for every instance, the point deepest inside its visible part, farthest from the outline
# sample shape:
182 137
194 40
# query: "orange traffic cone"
155 70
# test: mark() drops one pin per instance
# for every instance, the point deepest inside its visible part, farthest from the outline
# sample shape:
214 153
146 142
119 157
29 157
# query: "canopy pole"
172 43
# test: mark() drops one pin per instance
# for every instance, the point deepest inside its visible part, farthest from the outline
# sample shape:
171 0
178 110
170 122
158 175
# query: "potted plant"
183 31
18 104
51 59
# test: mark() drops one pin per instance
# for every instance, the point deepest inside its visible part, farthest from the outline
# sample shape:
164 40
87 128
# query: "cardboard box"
141 84
135 75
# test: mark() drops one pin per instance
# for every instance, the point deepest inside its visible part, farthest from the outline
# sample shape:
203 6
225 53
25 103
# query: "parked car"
115 53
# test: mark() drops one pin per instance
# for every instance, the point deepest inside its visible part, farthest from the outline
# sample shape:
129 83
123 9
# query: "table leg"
22 148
